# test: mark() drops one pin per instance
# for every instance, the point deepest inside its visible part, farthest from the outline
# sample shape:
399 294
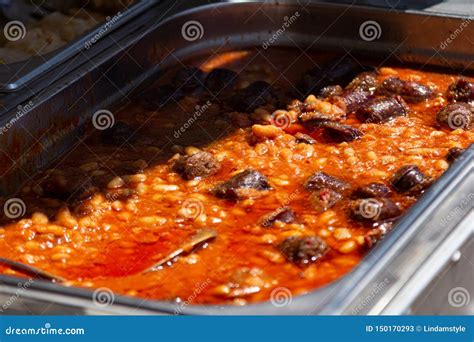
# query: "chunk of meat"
412 92
454 153
374 210
456 115
303 250
461 91
409 179
283 214
366 81
317 111
321 180
330 91
247 184
340 71
371 190
304 138
220 80
338 132
200 164
188 79
118 134
382 109
351 100
255 95
322 200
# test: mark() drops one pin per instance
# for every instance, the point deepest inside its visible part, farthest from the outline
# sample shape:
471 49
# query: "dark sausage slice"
321 180
456 115
374 210
413 92
454 153
337 132
322 200
329 91
248 183
351 100
220 79
304 138
340 71
366 81
382 109
187 79
200 164
461 91
409 179
371 190
303 250
118 134
284 214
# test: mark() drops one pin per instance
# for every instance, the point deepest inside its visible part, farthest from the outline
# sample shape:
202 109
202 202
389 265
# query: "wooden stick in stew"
198 239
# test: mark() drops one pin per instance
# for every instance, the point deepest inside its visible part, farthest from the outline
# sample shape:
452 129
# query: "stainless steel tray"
407 259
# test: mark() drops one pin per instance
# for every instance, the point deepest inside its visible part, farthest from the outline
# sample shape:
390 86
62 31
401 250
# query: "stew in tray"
240 174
